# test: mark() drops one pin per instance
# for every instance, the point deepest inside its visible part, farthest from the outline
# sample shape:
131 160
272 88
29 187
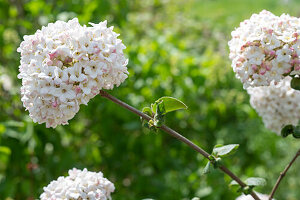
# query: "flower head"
249 197
278 105
265 49
80 184
64 65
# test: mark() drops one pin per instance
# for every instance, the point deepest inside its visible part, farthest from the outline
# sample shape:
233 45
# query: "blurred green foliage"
175 48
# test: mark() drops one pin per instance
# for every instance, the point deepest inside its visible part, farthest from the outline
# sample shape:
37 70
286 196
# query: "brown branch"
178 136
282 174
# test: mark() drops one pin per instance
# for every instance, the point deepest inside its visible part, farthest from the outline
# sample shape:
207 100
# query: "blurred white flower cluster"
265 48
6 82
64 65
278 105
79 185
249 197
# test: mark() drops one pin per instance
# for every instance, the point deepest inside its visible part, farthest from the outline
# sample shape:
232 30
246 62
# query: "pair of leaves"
167 104
251 183
291 130
219 151
159 109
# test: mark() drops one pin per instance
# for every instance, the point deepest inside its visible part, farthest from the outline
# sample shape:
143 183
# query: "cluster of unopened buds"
64 65
265 49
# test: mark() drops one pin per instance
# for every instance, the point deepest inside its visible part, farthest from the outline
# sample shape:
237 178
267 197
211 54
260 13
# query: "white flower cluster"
79 185
278 105
249 197
265 48
64 65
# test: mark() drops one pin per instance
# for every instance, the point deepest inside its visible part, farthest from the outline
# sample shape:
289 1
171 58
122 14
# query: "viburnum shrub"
64 65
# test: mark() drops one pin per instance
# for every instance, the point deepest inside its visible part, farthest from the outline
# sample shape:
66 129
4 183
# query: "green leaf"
222 151
287 130
254 181
170 104
147 111
295 83
207 168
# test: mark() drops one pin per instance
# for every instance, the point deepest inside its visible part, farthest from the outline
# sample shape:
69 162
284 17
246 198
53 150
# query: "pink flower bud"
254 67
297 67
295 35
53 55
34 42
68 60
287 71
262 71
270 31
241 59
78 90
272 53
294 54
54 104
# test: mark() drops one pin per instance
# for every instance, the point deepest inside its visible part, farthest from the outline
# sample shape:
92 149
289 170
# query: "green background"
175 48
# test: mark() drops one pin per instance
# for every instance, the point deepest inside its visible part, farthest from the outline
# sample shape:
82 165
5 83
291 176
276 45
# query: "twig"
178 136
282 174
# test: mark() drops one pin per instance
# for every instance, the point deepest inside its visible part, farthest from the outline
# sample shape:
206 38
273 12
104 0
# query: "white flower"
284 54
60 76
94 68
65 92
278 105
64 65
268 42
76 74
87 87
249 197
80 184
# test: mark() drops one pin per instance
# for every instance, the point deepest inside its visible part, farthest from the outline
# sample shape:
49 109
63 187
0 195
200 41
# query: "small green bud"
247 190
287 130
295 83
217 163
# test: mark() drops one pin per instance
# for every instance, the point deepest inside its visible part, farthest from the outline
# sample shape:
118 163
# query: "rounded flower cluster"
64 65
249 197
278 105
265 48
79 185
